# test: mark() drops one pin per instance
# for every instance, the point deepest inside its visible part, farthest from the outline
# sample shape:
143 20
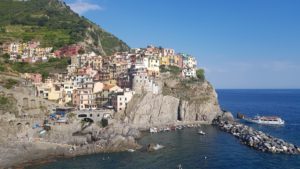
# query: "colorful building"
121 99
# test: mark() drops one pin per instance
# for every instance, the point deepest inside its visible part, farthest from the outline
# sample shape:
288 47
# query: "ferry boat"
272 120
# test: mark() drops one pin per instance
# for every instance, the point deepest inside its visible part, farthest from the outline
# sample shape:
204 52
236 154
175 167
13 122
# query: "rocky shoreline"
60 142
256 139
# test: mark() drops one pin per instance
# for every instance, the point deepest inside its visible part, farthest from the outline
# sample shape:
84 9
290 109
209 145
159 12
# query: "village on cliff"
95 86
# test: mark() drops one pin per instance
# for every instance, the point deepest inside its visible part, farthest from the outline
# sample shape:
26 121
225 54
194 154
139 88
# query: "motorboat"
201 132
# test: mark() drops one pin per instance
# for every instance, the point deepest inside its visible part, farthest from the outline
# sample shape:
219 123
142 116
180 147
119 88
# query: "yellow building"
153 67
54 93
165 60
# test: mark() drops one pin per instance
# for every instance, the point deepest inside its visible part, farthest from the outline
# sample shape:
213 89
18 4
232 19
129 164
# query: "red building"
67 51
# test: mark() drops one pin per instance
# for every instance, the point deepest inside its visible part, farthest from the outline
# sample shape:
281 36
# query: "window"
91 115
120 108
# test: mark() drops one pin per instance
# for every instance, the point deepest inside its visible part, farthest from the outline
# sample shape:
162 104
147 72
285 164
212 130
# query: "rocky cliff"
180 101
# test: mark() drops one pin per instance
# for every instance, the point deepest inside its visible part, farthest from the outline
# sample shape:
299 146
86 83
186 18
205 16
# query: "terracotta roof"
108 86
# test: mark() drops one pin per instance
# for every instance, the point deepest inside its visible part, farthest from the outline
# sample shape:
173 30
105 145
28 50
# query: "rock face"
255 139
153 110
179 101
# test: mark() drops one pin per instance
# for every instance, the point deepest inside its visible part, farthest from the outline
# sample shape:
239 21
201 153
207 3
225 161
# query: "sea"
217 149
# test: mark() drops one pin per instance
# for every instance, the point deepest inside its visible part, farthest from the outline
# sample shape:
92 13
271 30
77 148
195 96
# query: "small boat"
131 150
158 146
179 128
167 129
272 120
153 130
201 132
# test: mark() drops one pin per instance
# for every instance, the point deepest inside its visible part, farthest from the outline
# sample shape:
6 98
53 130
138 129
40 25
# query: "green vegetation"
4 58
174 70
9 83
104 122
8 104
54 24
200 74
54 65
2 68
3 101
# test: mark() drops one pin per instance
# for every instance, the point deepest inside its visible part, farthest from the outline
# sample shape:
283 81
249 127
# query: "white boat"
131 150
153 130
201 132
158 146
272 120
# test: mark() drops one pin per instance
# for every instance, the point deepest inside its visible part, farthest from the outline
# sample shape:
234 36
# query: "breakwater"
256 139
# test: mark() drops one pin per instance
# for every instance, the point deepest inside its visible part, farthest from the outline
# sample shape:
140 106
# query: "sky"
241 44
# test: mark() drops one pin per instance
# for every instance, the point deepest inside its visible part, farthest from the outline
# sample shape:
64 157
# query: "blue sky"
240 43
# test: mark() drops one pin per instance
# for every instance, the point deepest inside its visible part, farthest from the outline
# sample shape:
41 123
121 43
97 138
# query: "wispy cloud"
81 6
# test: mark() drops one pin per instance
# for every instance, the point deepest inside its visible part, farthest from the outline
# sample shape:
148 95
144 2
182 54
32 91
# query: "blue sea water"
216 150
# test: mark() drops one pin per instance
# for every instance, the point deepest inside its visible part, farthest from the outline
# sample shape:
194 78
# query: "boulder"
227 116
151 147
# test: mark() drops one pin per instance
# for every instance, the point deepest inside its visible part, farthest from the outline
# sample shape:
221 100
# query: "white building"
143 83
168 52
120 100
189 62
189 72
81 79
68 89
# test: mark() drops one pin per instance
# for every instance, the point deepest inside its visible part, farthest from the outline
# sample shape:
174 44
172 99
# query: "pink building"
84 98
180 61
36 78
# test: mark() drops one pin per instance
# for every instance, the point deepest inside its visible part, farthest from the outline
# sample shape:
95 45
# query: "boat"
131 150
201 132
272 120
153 130
158 146
167 129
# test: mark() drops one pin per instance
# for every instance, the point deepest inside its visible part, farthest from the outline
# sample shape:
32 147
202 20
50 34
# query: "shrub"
10 83
104 122
2 68
200 74
172 69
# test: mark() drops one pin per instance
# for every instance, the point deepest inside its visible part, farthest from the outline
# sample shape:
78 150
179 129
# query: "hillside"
54 24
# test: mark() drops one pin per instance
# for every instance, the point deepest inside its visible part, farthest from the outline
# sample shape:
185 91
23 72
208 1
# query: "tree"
104 122
200 73
81 51
6 57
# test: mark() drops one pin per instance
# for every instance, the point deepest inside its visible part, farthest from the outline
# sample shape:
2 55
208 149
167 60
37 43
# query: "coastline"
62 153
55 151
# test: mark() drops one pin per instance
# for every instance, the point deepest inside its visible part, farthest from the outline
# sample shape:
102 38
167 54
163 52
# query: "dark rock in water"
151 147
254 138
